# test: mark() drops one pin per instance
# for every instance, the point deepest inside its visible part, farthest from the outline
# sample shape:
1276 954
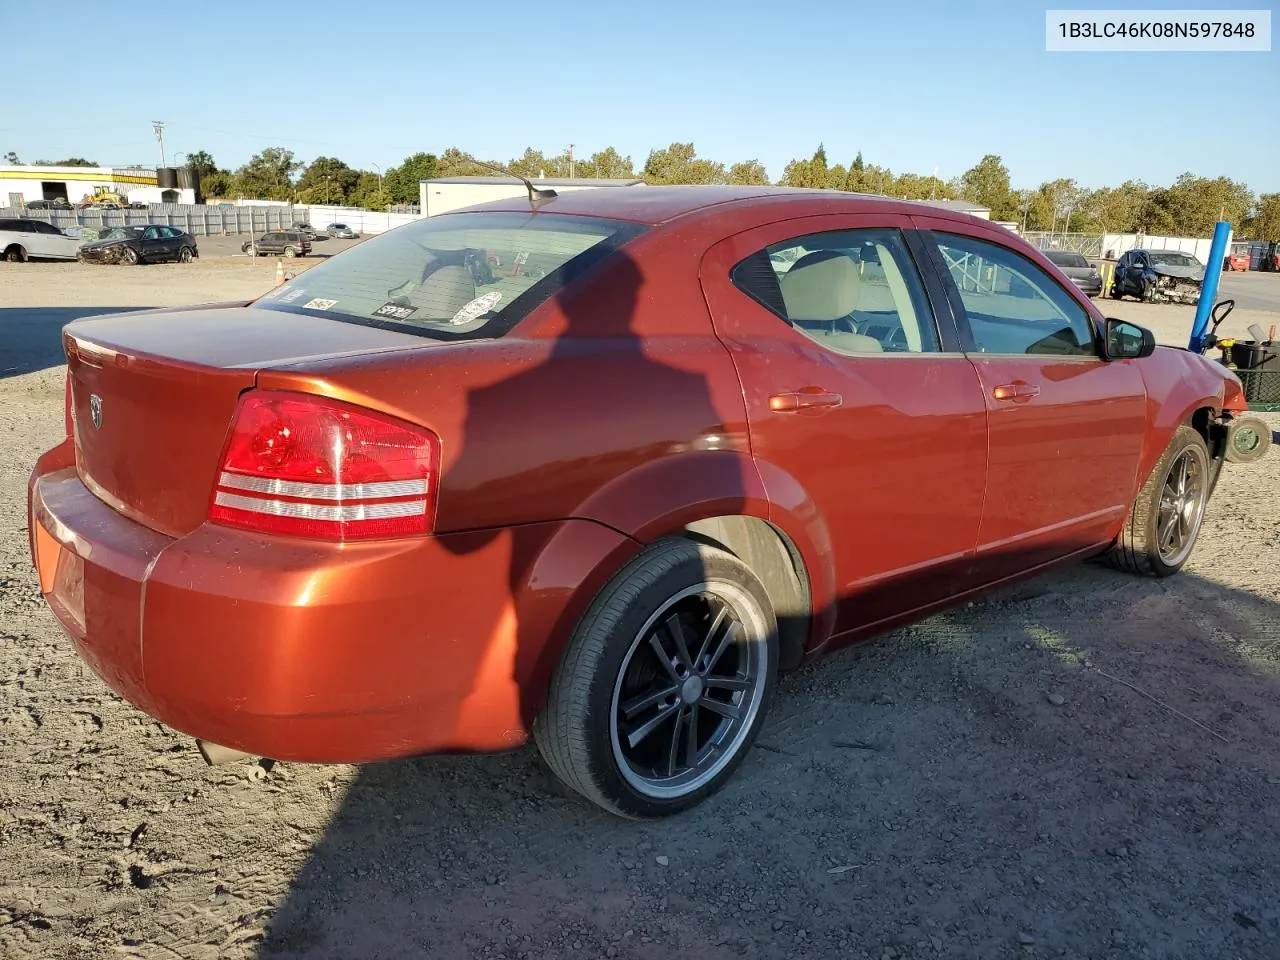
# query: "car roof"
653 205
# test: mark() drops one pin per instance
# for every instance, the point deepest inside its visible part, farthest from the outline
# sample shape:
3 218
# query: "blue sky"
913 85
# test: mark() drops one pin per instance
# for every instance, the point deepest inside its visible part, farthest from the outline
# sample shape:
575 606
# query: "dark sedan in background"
147 243
1078 270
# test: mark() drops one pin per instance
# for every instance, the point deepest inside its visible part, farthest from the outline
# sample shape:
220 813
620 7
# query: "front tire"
1164 522
664 684
129 257
290 252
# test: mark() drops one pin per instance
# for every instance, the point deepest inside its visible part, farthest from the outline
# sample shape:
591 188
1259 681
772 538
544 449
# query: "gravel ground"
1082 766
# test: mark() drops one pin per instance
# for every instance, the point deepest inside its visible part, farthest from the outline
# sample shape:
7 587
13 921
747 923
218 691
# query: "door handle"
803 400
1018 390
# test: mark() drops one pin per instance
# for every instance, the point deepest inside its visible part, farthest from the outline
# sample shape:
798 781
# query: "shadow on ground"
31 337
981 784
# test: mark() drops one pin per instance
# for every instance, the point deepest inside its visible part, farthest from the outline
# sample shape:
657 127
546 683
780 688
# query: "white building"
20 185
444 194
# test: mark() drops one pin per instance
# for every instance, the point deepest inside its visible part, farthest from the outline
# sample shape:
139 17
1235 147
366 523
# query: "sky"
915 86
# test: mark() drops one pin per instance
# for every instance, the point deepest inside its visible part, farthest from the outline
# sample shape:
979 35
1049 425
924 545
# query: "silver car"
23 239
340 231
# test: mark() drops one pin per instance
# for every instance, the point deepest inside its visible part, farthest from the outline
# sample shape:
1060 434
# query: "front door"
1066 427
863 413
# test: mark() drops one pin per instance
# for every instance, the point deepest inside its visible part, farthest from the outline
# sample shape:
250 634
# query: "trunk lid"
153 394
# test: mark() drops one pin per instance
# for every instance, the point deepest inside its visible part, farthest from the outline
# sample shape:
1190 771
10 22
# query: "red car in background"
699 436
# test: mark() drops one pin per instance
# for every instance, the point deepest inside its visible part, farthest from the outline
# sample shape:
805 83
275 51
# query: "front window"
455 276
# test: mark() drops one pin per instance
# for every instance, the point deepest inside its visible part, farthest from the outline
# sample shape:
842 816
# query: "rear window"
1066 258
456 276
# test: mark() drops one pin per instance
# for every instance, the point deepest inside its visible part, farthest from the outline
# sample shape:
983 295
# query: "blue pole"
1209 289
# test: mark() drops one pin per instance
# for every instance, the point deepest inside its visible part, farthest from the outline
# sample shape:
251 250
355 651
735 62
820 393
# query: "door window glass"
1014 307
852 291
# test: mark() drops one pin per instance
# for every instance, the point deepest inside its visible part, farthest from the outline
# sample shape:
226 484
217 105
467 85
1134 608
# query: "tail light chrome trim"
324 491
314 511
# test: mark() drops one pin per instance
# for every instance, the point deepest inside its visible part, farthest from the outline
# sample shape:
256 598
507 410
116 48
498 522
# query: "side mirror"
1127 341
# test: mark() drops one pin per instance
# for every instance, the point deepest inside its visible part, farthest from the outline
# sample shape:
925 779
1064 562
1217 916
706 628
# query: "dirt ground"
1084 766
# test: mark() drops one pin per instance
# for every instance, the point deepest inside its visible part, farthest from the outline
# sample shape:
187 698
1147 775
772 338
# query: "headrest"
822 286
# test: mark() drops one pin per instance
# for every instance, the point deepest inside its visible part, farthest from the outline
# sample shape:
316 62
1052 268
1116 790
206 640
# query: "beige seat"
821 288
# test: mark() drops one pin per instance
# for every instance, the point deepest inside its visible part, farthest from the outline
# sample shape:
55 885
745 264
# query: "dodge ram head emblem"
95 410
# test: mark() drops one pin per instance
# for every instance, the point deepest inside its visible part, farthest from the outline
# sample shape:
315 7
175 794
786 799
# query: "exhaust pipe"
215 754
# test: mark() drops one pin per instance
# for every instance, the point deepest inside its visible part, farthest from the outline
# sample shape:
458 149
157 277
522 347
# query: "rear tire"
16 254
626 722
1164 522
290 252
184 255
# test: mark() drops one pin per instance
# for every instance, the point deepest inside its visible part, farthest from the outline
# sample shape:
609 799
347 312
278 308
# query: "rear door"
857 401
55 243
1066 427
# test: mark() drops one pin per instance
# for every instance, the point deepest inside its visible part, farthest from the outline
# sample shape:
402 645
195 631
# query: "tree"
369 192
327 180
608 163
812 173
454 163
532 164
987 183
220 184
75 162
1192 205
679 163
402 181
201 163
268 175
11 158
1264 224
749 173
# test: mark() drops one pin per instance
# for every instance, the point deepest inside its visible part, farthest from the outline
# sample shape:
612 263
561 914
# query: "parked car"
1078 270
147 243
304 228
54 203
278 243
24 239
1237 258
1158 276
398 512
341 231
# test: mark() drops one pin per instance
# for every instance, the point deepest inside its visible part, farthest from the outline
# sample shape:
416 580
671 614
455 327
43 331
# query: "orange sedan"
414 502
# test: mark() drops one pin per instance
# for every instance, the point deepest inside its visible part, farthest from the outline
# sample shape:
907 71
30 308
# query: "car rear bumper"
1090 287
307 651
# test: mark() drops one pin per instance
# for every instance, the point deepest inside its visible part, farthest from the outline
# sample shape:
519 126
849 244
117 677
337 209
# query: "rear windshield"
1066 258
1172 259
454 276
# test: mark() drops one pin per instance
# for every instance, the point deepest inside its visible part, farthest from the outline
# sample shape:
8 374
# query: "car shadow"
31 337
954 762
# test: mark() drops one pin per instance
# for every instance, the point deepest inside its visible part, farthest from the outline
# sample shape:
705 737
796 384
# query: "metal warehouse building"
444 194
20 185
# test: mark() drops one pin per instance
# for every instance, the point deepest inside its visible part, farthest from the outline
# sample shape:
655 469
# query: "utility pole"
571 161
158 127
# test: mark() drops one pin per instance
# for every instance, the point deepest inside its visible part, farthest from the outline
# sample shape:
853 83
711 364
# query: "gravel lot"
985 784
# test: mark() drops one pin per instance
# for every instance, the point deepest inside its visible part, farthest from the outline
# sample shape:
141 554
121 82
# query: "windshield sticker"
396 311
291 295
318 304
477 307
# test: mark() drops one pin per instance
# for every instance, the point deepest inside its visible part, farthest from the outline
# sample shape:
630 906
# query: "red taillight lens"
314 467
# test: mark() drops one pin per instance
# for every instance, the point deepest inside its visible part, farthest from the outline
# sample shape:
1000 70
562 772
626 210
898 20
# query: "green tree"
268 175
679 163
532 164
1194 204
219 184
1116 209
202 163
327 180
11 158
402 182
608 163
1264 224
812 173
369 192
987 183
749 173
454 163
75 162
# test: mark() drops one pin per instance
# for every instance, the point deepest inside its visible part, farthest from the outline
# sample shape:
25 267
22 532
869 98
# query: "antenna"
535 194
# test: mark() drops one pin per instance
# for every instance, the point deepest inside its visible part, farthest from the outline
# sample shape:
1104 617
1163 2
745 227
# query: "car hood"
1079 273
1182 273
103 244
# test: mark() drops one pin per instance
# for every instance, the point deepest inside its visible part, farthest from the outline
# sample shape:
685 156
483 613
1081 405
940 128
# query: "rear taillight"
314 467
